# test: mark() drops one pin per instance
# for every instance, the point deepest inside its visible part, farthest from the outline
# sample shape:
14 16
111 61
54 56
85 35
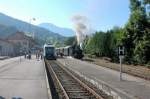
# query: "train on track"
73 51
49 52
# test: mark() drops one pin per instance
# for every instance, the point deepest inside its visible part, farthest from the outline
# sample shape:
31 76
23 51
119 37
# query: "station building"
6 48
21 40
16 44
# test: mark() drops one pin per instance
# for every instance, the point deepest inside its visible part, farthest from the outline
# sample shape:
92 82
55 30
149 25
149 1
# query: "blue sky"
102 14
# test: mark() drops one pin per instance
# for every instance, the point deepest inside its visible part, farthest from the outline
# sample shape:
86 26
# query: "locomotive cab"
49 52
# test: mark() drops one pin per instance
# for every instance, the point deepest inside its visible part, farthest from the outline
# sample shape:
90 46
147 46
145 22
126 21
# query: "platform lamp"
32 32
32 19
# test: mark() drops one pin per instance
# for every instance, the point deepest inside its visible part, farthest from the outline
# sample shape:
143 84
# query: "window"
49 50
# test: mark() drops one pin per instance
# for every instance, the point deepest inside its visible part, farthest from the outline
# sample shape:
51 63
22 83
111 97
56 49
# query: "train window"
49 49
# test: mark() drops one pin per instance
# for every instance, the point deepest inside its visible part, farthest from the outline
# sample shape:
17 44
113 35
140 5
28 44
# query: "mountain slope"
62 31
9 25
6 31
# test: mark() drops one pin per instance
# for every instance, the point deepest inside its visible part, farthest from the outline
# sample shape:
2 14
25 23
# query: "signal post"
121 56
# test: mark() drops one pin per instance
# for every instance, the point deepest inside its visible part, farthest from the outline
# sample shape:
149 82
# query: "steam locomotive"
74 51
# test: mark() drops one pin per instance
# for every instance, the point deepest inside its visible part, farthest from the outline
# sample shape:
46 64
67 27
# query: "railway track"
68 86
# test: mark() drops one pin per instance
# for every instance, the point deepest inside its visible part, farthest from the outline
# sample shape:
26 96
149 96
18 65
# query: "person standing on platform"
25 55
41 54
36 54
29 54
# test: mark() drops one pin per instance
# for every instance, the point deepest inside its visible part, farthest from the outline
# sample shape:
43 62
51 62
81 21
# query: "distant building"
21 41
16 44
6 48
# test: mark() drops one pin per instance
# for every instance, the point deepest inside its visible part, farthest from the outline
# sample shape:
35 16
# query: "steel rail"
84 86
81 83
61 87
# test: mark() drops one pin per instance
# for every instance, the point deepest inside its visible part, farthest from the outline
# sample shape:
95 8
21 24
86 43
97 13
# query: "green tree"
146 1
135 31
70 41
89 45
135 36
101 44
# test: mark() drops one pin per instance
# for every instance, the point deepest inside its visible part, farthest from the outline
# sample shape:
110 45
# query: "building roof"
18 36
6 41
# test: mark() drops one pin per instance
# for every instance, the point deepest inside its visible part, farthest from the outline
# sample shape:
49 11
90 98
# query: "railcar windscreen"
49 50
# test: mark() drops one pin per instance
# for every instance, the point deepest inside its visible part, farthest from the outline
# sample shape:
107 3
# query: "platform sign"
121 56
121 50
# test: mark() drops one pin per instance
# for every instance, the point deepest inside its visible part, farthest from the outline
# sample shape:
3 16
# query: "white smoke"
82 27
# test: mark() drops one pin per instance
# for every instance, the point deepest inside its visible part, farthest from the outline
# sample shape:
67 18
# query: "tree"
70 40
88 47
146 1
101 44
135 31
135 36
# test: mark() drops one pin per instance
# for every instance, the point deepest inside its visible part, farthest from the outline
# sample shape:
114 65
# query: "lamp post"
30 30
30 21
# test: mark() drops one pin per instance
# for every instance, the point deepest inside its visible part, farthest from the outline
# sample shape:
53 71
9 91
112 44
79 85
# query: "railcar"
60 51
49 52
73 51
67 51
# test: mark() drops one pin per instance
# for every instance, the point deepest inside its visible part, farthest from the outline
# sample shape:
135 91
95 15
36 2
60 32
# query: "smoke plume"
81 26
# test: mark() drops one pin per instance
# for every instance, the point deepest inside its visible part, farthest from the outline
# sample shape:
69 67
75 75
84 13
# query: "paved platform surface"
25 79
130 86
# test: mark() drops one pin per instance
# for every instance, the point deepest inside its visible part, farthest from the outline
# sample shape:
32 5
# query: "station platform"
23 79
108 80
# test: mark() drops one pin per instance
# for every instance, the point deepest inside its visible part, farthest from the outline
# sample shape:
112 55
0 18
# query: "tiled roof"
6 41
18 36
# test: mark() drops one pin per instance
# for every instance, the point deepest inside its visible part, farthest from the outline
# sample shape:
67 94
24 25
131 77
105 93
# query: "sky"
101 14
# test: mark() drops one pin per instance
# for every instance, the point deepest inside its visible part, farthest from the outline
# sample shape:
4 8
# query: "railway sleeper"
68 81
80 96
72 87
80 93
75 90
69 84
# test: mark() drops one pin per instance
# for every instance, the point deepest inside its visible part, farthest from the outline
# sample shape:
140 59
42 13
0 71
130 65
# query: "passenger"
41 54
61 54
38 55
29 54
25 55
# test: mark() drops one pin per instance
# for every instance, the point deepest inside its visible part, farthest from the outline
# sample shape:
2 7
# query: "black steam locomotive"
74 51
